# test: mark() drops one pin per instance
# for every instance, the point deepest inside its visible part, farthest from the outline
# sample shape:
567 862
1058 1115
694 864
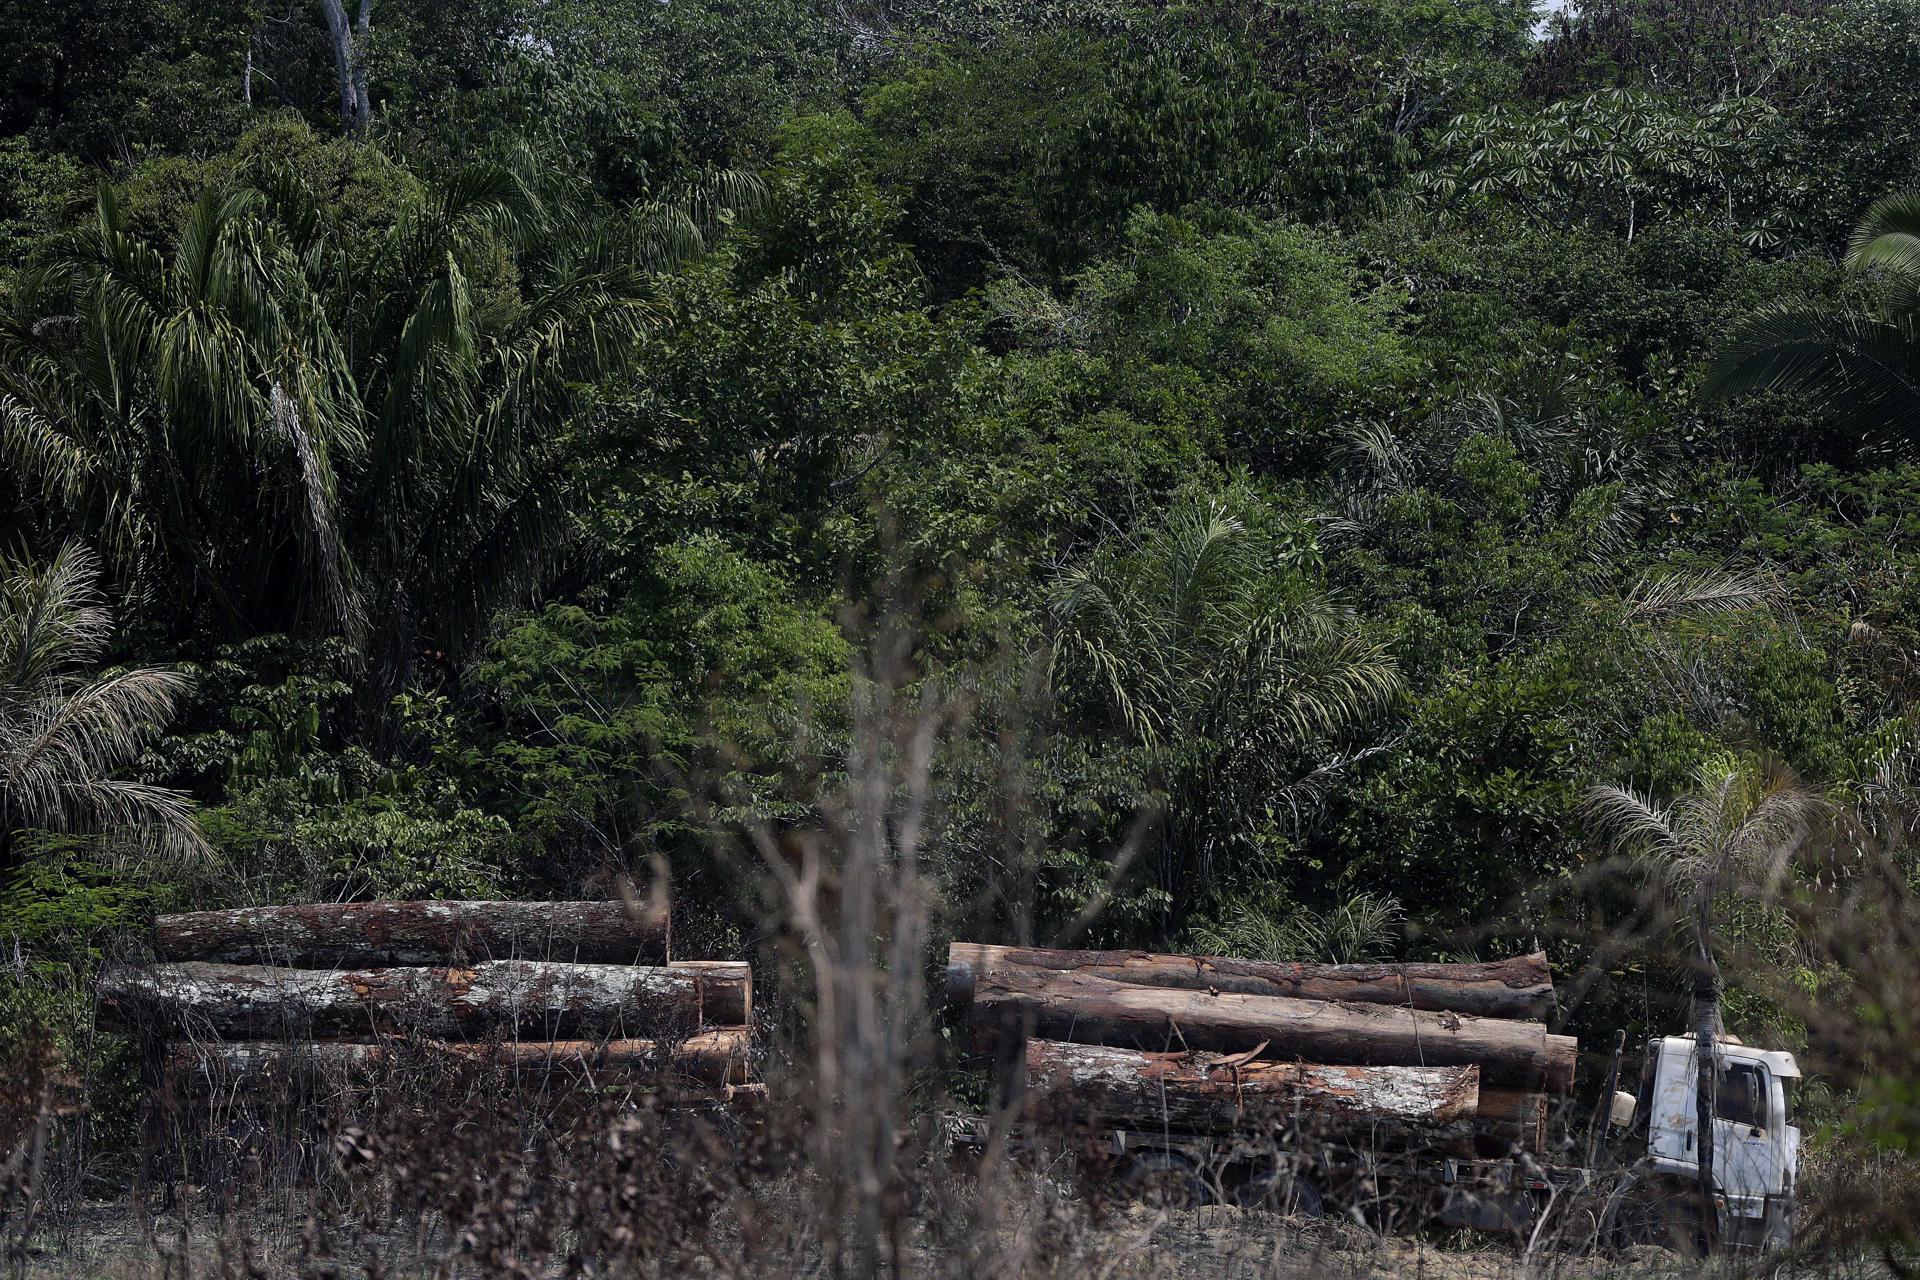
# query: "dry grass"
477 1174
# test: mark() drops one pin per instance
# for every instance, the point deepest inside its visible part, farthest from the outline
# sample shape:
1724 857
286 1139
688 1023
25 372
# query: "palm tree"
64 729
188 412
1219 664
282 428
1861 360
1737 828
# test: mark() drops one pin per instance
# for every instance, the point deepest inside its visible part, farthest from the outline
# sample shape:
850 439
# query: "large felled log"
360 935
1093 1010
709 1059
534 999
1209 1093
1521 987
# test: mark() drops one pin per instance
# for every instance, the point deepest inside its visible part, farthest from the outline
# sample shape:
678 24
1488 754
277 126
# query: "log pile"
1457 1056
266 998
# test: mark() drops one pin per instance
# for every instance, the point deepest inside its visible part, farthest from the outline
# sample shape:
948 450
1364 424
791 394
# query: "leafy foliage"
1319 441
1861 362
66 727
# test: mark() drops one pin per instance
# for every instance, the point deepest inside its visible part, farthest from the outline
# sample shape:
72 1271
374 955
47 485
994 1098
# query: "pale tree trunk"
349 38
361 22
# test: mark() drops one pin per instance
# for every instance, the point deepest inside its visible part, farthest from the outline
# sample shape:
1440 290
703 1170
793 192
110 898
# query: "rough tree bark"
537 999
1093 1010
1210 1093
381 934
1521 987
708 1058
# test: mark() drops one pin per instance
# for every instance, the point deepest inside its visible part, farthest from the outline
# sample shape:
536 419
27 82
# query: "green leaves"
1859 361
1226 669
362 436
67 729
708 674
1620 156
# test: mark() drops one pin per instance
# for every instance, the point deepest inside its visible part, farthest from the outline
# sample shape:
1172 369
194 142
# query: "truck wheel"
1166 1179
1280 1192
1672 1223
1683 1229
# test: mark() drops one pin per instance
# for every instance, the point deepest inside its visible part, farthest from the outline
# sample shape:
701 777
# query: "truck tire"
1683 1229
1280 1191
1654 1214
1167 1180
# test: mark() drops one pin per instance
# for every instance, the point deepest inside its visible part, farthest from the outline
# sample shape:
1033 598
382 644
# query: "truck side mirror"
1620 1114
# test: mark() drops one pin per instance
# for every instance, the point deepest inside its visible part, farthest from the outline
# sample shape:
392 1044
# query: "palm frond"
1842 358
64 735
1888 237
1694 593
51 617
136 815
1630 823
316 521
1356 930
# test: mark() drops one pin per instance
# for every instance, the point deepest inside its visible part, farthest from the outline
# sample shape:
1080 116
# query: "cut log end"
726 989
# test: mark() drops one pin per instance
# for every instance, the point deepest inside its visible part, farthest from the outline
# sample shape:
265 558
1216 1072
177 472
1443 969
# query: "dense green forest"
1356 478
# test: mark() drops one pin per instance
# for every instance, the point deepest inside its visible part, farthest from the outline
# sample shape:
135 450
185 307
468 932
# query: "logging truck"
1406 1094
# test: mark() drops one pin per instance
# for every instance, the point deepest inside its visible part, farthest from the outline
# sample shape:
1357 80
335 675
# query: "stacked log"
1457 1052
365 935
710 1058
1518 988
1090 1010
259 997
547 999
1212 1092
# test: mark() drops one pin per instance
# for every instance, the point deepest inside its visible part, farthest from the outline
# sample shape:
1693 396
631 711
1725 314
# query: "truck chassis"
1400 1190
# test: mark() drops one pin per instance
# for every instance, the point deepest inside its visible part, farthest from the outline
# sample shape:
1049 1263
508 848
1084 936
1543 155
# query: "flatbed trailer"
1638 1184
1299 1175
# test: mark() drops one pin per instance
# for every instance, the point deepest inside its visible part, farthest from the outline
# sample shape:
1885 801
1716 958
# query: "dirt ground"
110 1242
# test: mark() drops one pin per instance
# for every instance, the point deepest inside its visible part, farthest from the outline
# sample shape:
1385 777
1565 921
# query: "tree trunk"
1093 1010
382 934
1521 987
1194 1092
709 1058
348 39
1706 1042
363 105
538 999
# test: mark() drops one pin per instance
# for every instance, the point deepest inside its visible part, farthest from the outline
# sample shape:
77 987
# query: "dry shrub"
1850 978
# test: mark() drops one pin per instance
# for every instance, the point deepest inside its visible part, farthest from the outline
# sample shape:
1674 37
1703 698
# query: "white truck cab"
1756 1148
